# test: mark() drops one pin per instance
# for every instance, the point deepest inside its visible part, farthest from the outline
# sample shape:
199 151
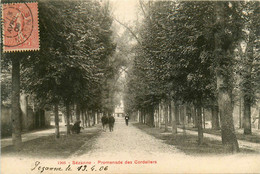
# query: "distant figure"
76 127
111 122
126 119
104 121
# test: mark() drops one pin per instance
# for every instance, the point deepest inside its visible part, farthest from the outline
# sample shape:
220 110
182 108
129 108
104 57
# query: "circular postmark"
17 24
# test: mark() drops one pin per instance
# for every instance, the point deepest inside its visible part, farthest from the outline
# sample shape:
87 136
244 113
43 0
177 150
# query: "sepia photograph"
130 86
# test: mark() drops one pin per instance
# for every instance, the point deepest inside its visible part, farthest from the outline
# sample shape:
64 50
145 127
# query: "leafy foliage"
176 57
73 62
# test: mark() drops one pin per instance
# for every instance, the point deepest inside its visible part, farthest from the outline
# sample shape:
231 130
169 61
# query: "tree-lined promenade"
73 69
196 55
178 59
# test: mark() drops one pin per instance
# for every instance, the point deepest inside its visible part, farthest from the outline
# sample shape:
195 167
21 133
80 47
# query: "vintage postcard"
130 86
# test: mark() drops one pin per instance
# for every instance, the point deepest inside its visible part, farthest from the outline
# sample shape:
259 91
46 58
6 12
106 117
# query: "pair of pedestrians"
110 120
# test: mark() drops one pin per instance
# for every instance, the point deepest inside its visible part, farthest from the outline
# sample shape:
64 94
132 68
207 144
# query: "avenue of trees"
195 55
74 68
186 56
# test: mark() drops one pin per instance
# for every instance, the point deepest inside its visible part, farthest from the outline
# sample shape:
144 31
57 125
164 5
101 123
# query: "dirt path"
146 154
31 136
127 142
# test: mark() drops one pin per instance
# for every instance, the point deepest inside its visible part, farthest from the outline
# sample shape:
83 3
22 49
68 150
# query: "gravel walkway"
32 135
130 150
127 142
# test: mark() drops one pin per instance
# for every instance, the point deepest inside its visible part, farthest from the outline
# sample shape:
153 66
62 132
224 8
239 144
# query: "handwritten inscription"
92 168
41 168
44 168
85 166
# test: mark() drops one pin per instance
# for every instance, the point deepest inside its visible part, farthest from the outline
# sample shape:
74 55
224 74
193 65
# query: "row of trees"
75 64
193 53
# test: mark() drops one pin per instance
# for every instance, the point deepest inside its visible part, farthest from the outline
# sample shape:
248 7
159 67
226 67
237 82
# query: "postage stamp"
20 27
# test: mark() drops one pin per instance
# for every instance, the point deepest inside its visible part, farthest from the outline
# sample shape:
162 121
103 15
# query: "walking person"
126 119
104 121
111 122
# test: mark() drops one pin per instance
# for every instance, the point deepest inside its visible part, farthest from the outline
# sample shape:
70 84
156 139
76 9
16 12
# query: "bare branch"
129 29
142 8
141 3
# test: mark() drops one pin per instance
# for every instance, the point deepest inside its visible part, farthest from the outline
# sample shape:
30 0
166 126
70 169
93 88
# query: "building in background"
119 110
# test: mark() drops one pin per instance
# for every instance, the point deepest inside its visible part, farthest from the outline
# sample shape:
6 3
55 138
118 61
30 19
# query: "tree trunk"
173 112
147 116
229 139
83 113
199 121
189 113
177 116
140 116
56 115
93 117
68 118
159 115
166 117
224 77
155 117
259 118
204 118
189 118
248 85
88 119
195 117
215 118
144 118
240 113
16 116
71 118
169 112
184 119
181 114
247 116
77 112
152 116
98 117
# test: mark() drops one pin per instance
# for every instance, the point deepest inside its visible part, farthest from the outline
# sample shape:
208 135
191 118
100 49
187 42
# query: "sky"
125 10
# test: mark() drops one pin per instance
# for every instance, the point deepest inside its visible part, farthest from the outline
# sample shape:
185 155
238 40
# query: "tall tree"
223 52
15 99
249 60
71 64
